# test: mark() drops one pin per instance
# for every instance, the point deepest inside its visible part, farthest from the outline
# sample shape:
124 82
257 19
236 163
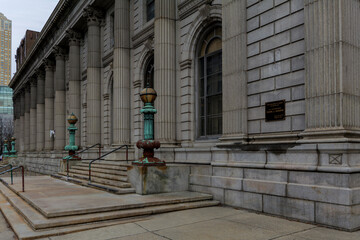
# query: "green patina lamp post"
13 151
6 151
148 96
72 120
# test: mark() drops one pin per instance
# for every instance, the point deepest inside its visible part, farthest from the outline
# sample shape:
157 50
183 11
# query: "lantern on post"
71 147
148 96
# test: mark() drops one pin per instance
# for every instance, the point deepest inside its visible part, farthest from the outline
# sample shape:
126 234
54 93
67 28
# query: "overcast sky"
25 14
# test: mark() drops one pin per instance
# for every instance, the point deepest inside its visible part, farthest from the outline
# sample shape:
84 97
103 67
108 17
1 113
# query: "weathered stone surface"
347 217
243 199
148 180
287 207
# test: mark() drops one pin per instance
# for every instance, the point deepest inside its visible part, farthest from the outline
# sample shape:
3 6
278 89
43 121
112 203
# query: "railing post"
67 169
89 172
127 153
23 180
99 150
11 175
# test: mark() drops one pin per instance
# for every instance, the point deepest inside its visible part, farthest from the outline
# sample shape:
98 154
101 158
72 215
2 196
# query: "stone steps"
85 182
30 223
106 175
100 170
100 180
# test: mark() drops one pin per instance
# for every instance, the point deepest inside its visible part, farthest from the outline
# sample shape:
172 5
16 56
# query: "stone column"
93 97
165 70
75 80
60 100
21 121
33 132
40 111
121 68
27 118
234 81
49 104
16 115
332 67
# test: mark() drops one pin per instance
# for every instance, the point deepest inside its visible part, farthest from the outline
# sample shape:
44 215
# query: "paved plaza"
204 223
216 222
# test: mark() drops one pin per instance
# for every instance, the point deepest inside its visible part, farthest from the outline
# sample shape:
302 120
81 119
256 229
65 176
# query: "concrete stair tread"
24 232
107 163
115 183
85 182
100 170
100 175
38 221
100 166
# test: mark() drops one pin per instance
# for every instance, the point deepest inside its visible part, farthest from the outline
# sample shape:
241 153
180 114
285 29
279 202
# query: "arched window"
210 85
149 73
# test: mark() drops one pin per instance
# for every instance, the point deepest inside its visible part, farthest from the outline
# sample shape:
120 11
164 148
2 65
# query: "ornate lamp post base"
148 96
72 120
148 158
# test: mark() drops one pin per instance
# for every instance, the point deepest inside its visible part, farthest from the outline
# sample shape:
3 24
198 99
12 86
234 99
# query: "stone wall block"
246 200
287 207
347 217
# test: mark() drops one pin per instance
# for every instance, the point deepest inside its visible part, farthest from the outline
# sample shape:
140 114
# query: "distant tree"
6 130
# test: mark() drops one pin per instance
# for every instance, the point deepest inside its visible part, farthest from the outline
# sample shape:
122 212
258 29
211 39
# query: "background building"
25 47
260 98
5 50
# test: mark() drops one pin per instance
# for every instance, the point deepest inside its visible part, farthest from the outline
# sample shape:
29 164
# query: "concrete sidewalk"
211 223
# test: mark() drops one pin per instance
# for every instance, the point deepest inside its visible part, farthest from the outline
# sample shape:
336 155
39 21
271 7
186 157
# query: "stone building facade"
216 66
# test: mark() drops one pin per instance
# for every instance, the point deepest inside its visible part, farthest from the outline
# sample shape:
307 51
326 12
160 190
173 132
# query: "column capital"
27 86
33 82
93 15
74 37
40 73
59 52
49 65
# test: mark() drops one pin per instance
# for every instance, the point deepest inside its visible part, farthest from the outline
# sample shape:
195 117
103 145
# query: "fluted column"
93 97
16 115
75 79
40 111
234 82
27 118
60 100
21 121
33 134
332 66
49 104
121 68
165 70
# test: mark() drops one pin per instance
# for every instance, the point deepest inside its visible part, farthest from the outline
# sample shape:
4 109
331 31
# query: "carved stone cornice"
74 37
93 16
143 35
190 6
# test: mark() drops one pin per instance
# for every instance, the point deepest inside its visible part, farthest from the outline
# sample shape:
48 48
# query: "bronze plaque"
275 110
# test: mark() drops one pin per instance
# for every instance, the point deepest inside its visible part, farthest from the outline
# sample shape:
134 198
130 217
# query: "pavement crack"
147 230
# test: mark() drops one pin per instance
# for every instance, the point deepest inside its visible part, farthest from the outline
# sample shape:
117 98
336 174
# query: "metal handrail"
96 144
99 158
77 153
22 172
9 165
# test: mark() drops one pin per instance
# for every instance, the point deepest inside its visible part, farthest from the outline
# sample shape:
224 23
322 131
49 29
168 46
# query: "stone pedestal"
159 179
72 162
